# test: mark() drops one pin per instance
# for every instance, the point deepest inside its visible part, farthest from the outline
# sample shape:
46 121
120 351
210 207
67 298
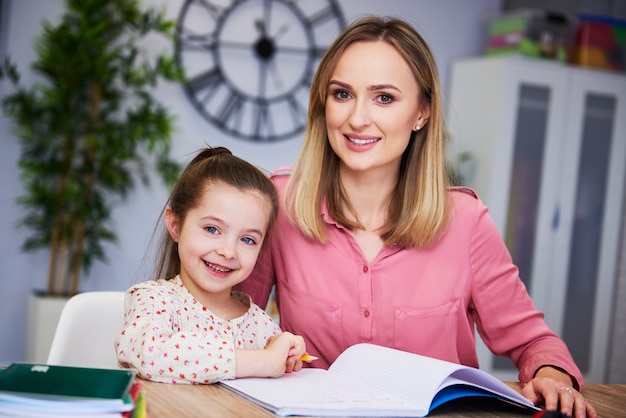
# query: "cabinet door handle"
556 216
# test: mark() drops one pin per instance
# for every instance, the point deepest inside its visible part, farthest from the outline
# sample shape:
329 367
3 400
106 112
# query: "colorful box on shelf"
531 32
600 43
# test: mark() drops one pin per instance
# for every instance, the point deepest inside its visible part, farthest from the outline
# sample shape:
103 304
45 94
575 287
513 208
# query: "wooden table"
166 401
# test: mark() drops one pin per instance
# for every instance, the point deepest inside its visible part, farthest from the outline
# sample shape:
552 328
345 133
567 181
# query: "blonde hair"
419 207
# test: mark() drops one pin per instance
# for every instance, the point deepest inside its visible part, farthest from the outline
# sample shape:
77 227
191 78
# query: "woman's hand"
554 389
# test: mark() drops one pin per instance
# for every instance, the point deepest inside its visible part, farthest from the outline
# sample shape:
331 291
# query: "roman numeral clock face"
249 63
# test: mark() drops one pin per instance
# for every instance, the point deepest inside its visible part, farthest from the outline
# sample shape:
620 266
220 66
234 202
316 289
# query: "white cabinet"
549 144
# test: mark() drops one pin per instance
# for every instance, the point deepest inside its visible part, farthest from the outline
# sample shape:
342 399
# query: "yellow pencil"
307 357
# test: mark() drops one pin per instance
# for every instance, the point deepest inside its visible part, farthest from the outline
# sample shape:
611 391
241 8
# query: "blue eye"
212 230
248 240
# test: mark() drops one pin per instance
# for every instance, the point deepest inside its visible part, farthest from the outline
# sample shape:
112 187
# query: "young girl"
188 326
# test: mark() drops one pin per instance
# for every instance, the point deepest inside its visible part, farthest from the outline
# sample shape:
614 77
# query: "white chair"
87 328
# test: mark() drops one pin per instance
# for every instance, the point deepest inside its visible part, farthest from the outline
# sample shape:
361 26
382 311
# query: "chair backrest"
87 328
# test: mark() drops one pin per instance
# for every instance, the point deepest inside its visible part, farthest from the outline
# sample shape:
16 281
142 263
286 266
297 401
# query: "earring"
417 127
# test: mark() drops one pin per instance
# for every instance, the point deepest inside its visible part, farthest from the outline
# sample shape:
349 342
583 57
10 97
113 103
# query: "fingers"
295 350
573 403
299 364
561 398
566 399
590 410
298 348
290 365
557 396
294 365
529 392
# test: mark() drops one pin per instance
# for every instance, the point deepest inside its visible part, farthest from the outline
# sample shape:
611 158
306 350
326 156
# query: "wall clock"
249 63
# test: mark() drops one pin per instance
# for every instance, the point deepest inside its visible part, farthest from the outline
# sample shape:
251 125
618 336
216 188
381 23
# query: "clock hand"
262 78
265 49
234 45
288 49
281 31
274 71
260 26
268 67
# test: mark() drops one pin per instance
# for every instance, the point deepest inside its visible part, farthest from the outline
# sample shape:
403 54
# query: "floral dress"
169 336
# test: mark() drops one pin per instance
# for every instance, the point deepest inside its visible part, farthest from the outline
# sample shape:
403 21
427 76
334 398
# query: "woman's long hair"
418 209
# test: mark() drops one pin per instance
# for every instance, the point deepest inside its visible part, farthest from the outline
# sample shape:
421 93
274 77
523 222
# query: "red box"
600 43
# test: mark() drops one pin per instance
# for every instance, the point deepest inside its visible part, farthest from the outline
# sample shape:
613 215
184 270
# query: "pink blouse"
170 337
428 301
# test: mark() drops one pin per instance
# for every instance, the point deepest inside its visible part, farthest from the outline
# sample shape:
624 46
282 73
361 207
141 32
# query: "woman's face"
371 108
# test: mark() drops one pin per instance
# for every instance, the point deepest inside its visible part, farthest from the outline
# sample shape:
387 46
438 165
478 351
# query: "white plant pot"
43 316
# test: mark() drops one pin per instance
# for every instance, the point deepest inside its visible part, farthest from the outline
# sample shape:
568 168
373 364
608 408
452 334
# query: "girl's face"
219 241
372 107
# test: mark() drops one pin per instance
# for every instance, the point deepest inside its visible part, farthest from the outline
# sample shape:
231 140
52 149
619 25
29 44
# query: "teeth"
362 141
221 270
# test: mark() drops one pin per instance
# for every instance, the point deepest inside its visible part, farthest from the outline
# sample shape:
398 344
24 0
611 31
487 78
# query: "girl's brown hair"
211 165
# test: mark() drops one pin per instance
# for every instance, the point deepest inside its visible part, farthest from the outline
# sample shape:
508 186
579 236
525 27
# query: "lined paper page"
413 378
320 392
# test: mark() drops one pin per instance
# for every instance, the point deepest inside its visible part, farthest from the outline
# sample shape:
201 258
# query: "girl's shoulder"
255 313
161 286
246 300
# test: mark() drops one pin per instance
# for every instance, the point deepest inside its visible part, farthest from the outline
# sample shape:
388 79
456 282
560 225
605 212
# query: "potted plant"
89 129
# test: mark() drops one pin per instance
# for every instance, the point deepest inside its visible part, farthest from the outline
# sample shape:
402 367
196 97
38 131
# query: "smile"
362 141
216 268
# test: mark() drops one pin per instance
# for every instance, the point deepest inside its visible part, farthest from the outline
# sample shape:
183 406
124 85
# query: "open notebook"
370 380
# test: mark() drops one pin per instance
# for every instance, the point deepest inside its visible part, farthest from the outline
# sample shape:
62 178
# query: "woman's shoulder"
465 200
280 177
463 194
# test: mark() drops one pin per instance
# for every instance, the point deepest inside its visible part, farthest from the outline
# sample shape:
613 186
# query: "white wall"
454 29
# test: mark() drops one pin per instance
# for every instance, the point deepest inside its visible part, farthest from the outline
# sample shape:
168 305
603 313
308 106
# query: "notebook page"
487 382
319 392
454 388
413 378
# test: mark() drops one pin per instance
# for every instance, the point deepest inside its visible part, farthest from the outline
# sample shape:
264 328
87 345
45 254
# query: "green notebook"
65 382
28 389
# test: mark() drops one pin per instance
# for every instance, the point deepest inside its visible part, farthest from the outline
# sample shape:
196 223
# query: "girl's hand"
286 348
553 388
281 355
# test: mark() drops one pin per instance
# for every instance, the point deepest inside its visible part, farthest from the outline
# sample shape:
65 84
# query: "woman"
372 245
